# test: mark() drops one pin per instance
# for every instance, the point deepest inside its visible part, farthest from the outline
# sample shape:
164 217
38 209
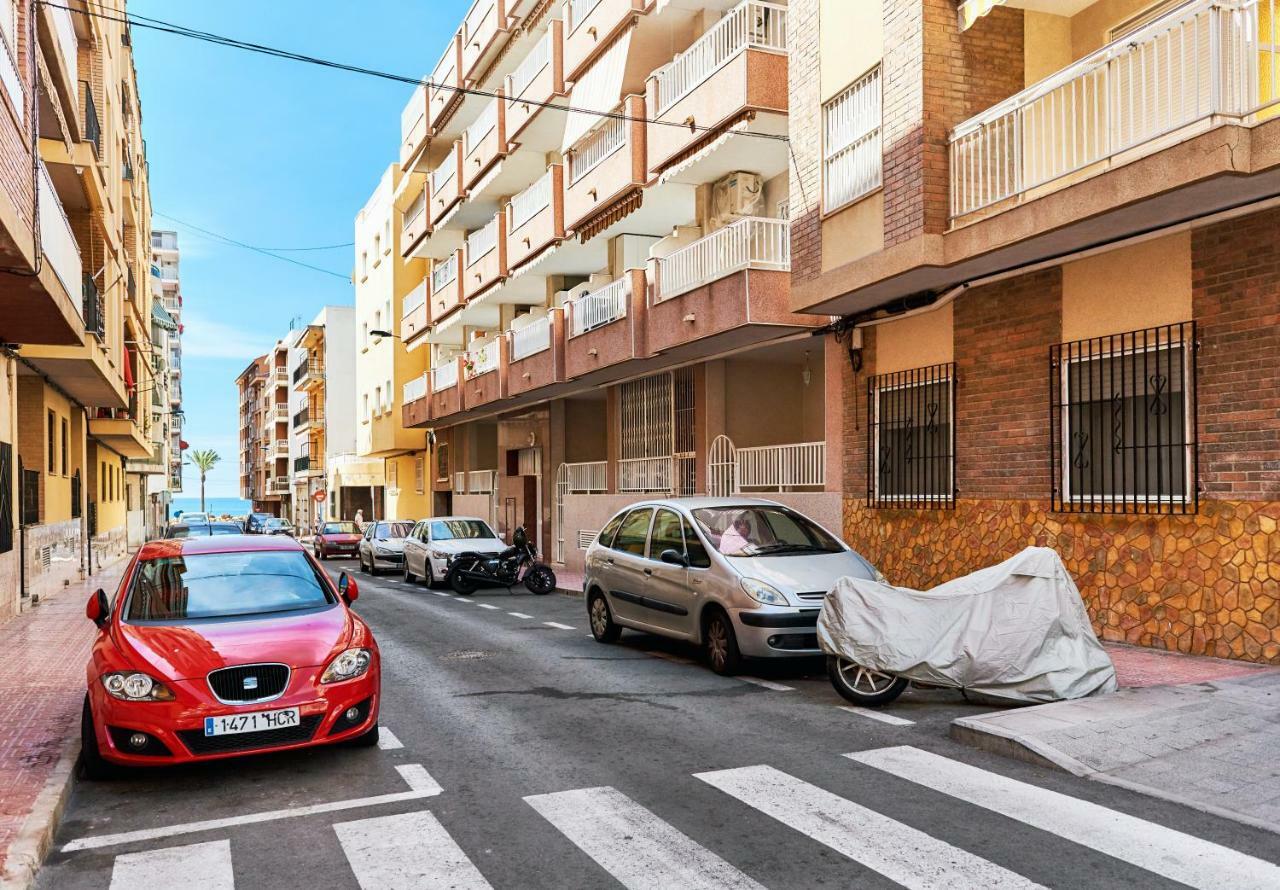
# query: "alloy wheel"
599 616
865 680
717 644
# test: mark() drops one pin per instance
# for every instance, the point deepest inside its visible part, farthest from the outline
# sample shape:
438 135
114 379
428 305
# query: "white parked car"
383 545
433 543
739 576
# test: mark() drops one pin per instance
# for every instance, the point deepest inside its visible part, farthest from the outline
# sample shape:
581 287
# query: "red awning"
128 368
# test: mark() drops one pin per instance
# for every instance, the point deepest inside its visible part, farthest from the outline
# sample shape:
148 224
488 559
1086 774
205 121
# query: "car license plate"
257 721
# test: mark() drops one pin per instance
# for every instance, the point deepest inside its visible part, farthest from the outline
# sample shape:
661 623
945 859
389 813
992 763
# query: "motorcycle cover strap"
1016 631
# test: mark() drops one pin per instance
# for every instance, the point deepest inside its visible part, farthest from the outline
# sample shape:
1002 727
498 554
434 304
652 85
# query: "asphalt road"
531 756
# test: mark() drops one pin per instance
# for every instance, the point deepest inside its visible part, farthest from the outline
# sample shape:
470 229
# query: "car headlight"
439 554
134 686
763 593
347 666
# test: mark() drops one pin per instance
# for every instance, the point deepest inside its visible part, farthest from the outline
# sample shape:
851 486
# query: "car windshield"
189 531
224 528
339 528
459 529
387 530
224 585
763 531
277 523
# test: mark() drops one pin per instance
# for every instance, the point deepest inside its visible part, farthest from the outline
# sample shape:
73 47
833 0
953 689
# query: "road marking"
558 625
767 684
632 844
407 851
899 852
439 593
520 615
419 781
873 714
1177 856
176 868
387 740
486 606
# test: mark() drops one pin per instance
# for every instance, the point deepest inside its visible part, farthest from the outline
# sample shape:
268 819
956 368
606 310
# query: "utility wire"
139 21
254 248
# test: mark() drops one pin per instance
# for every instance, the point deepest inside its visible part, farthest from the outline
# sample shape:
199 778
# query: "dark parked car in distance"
275 526
201 529
255 522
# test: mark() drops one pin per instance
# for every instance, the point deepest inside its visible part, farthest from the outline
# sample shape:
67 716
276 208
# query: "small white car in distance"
433 543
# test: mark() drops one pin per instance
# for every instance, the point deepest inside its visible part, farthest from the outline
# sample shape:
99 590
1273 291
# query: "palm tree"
204 459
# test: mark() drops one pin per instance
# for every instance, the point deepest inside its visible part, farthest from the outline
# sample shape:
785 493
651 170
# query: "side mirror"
97 609
675 558
348 587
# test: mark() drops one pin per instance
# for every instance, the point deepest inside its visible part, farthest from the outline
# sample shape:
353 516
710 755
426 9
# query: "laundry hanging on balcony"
599 90
972 10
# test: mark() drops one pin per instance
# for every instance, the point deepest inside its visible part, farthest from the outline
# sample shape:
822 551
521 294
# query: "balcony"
281 448
58 39
302 420
484 30
282 412
120 429
446 395
446 287
92 124
607 164
535 218
414 389
415 226
606 326
414 132
734 75
486 257
414 318
282 376
94 308
535 351
484 366
446 185
280 485
444 96
484 142
538 81
415 409
590 25
308 374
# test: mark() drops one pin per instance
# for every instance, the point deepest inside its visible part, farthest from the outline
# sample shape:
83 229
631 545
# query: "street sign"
320 496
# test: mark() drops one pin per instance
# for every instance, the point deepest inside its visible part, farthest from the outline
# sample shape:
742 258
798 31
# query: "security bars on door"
1122 422
911 438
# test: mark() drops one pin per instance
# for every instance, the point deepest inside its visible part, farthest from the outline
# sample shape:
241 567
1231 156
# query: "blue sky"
272 153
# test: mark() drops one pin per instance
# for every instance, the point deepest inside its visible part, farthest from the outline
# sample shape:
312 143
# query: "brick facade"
15 131
806 140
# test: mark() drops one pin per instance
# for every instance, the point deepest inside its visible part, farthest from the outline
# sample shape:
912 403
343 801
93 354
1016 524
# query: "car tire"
721 643
409 577
600 617
366 739
862 686
92 766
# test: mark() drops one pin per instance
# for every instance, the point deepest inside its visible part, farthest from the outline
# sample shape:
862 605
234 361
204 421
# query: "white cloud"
202 337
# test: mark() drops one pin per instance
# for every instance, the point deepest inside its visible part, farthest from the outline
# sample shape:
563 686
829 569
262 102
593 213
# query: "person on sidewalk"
360 519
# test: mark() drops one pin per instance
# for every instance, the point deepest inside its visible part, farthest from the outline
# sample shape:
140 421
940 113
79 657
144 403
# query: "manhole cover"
466 654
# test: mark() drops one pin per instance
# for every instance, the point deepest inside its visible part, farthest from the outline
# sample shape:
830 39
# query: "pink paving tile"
1136 666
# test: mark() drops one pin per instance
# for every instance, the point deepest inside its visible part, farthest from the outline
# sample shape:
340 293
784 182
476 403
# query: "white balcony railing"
57 240
460 482
481 241
529 68
754 242
1203 60
645 474
480 127
412 117
444 376
415 389
587 478
415 299
481 481
415 211
579 10
592 150
282 411
592 310
444 274
484 359
448 169
475 17
64 30
530 202
783 467
751 25
532 339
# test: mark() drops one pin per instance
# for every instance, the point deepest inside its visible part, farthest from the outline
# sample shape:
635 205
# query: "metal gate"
562 488
657 426
722 468
529 463
6 497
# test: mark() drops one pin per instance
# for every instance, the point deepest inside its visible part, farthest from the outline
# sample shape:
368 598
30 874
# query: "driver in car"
737 538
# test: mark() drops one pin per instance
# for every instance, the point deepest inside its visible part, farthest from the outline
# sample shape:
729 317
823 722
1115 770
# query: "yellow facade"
408 491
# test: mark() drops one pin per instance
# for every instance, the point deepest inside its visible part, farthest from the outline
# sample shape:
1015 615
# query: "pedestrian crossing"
635 847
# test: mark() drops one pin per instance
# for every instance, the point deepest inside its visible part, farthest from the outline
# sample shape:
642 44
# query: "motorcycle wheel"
540 579
461 584
863 686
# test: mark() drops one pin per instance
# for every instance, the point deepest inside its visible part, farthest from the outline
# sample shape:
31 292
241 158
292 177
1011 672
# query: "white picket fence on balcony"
481 241
587 478
414 299
481 481
640 474
484 359
579 10
415 389
444 274
600 307
750 243
732 470
448 169
592 149
57 241
531 339
414 212
460 482
530 202
750 25
444 376
529 68
480 127
65 31
1201 61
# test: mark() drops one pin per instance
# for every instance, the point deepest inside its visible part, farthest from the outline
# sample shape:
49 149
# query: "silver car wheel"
865 680
717 643
599 616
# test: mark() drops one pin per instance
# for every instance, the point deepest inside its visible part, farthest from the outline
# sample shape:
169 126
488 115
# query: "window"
52 442
365 402
611 528
911 438
6 497
364 264
419 473
666 534
377 248
388 391
364 335
1122 422
377 319
851 156
695 551
442 462
377 400
66 467
393 474
633 532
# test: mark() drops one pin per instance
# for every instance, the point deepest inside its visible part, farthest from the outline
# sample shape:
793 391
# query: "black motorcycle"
470 571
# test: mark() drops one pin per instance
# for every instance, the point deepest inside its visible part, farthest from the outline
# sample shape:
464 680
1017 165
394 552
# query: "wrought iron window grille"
911 454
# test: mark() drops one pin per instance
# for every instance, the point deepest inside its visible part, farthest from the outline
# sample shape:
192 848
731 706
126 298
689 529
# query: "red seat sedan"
336 539
221 646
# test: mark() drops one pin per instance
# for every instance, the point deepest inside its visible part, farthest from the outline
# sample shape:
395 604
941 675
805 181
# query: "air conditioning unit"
736 195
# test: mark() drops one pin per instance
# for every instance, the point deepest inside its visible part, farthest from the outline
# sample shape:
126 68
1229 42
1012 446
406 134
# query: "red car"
336 539
221 646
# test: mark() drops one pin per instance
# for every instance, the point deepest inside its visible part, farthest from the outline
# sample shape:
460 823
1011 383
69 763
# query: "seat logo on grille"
250 684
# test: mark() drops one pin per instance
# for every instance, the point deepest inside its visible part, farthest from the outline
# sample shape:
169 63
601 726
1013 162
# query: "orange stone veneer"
1207 584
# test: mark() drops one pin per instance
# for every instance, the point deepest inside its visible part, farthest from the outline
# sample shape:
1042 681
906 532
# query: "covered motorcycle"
1016 631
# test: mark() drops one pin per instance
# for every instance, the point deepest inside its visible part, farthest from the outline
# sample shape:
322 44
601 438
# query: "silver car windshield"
459 529
763 531
386 530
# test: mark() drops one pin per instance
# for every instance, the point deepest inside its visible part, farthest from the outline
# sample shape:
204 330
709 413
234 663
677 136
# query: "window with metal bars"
852 164
6 497
911 455
1122 422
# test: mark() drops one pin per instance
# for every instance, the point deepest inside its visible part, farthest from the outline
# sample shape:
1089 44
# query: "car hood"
395 545
802 572
190 651
340 539
465 545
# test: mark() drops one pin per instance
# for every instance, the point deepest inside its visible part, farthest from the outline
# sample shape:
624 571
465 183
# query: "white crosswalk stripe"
387 740
204 866
880 716
412 851
1164 851
899 852
636 847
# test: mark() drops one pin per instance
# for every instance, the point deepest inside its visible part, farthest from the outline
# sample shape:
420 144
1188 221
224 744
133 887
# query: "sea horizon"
217 505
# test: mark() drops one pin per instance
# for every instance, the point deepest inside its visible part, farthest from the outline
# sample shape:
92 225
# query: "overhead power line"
262 250
140 21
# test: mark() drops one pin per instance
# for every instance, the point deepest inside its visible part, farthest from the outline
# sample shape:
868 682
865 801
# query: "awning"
972 10
598 90
162 317
128 368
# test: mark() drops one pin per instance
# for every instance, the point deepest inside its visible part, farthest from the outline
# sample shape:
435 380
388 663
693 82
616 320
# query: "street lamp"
383 334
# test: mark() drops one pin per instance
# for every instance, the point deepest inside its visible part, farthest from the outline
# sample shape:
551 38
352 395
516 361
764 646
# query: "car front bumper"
777 633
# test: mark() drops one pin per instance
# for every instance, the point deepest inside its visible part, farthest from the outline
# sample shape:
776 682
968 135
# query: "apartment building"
265 418
607 302
385 281
74 213
166 287
1048 232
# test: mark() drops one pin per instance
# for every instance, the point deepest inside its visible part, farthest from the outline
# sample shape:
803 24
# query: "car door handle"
609 560
648 571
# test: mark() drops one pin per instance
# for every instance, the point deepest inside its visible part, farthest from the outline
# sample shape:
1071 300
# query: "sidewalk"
1198 731
41 691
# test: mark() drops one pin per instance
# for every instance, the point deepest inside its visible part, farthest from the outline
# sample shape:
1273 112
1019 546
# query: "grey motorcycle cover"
1016 631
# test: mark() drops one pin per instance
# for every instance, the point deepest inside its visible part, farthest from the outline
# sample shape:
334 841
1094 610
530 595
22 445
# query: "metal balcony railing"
600 307
460 482
531 339
484 359
587 478
444 376
415 211
481 481
57 241
645 474
481 241
754 242
415 299
594 148
302 417
579 10
530 202
94 308
444 274
448 169
529 68
92 125
485 121
415 389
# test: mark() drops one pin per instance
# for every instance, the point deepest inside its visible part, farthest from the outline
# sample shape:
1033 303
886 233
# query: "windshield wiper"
787 548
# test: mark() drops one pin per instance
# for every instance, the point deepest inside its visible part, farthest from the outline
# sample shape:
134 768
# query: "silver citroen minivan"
739 576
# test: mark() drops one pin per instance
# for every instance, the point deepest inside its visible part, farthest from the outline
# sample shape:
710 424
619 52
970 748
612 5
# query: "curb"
27 852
